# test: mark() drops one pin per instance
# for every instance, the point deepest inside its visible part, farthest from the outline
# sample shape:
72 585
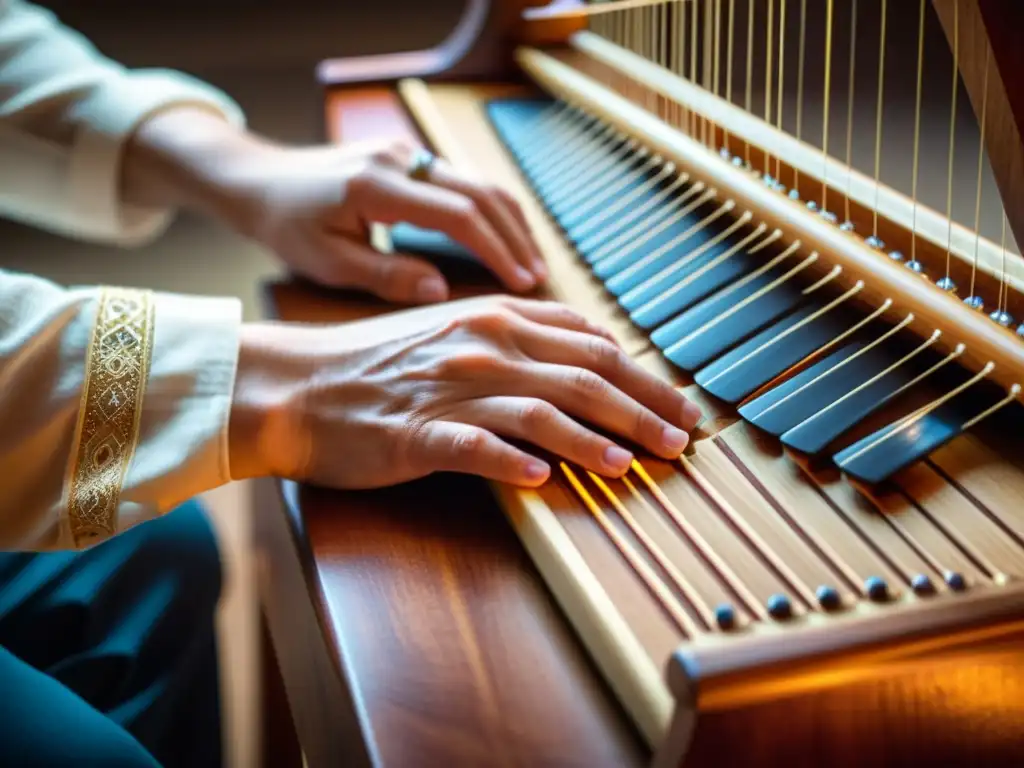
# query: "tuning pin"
975 302
847 226
794 194
916 267
768 180
725 154
1001 317
737 161
876 243
830 217
1020 330
947 284
896 256
812 206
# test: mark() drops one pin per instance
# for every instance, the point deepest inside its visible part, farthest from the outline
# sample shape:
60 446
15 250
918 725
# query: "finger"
391 276
586 395
501 209
568 347
444 446
547 427
553 313
389 197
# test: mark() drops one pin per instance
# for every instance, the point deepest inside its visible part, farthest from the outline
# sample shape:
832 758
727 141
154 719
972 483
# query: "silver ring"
421 164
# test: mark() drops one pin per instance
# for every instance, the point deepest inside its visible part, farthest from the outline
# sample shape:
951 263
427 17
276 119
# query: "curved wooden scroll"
479 46
989 34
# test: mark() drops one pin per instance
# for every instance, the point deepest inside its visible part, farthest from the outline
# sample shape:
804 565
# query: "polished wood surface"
479 46
985 36
412 628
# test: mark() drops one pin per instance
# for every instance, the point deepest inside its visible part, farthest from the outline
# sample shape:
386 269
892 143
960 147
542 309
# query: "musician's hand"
313 207
444 388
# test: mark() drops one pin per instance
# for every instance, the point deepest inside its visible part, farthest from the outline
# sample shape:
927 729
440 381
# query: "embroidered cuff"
116 373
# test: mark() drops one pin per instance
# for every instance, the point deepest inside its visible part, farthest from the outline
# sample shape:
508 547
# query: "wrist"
194 159
265 434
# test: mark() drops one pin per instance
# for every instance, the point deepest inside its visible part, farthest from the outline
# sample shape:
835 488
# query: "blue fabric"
108 656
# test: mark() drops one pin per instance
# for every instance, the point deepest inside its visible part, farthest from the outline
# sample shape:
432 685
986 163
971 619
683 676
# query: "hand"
313 207
445 388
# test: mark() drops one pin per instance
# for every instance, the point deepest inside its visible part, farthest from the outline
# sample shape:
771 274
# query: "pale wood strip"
987 543
657 553
707 583
740 566
636 562
921 533
797 494
773 535
863 516
635 676
995 479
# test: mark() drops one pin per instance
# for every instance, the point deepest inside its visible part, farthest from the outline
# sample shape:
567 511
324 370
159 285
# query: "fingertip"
692 415
674 441
431 289
540 270
617 461
535 472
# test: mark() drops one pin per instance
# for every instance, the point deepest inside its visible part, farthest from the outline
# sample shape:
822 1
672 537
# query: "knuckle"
465 212
587 383
366 177
489 322
538 414
605 355
647 424
391 154
467 366
585 444
466 443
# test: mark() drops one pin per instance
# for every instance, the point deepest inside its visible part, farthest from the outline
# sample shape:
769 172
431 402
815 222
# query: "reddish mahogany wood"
411 627
480 45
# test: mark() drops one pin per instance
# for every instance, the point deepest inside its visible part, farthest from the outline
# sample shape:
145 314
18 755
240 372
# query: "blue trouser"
108 656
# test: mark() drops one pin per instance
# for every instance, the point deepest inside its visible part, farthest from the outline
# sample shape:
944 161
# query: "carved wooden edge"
845 649
330 722
480 45
632 674
985 35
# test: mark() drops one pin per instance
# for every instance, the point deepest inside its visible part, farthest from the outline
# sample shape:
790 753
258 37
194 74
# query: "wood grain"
990 54
415 629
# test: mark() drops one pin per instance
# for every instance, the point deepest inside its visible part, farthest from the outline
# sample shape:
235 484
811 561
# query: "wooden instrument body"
886 684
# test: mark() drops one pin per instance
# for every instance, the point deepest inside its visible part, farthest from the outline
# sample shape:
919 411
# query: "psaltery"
806 214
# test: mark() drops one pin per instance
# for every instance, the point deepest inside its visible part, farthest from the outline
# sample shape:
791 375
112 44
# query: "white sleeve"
114 407
65 113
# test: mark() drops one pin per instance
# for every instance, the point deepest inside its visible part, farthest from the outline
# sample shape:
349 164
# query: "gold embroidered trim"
117 368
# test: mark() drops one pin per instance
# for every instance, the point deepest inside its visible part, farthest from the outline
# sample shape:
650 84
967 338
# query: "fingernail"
692 415
540 270
535 470
526 278
431 289
617 459
675 440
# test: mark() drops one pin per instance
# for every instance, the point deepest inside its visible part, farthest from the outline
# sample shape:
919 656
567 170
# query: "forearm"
193 159
67 114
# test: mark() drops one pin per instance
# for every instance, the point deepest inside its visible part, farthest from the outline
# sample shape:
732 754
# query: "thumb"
392 276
